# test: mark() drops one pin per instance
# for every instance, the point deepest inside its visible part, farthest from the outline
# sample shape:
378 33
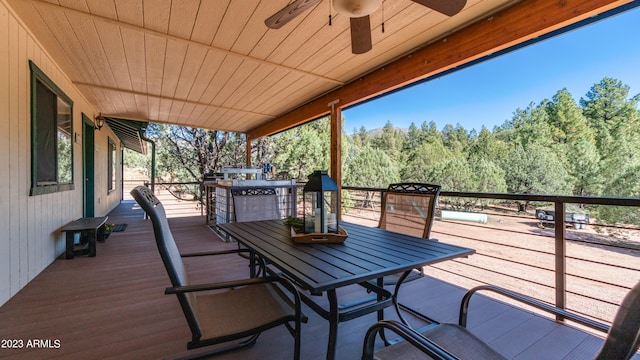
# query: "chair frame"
164 240
622 341
412 189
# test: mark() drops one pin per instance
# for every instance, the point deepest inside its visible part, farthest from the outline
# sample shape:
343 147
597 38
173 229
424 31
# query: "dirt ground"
517 253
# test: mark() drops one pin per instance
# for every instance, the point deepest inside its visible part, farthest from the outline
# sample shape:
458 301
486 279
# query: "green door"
88 157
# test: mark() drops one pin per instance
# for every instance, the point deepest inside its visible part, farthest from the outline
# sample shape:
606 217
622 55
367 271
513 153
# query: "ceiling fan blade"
447 7
288 13
360 35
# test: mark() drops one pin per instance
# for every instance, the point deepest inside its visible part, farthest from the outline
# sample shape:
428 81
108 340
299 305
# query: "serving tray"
319 238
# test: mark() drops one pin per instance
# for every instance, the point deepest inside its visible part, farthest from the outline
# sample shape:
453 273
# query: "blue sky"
489 93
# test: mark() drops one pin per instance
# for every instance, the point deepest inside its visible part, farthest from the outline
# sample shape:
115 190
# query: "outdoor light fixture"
99 120
321 203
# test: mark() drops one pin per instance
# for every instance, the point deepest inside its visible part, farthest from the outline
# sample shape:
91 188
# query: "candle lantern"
321 201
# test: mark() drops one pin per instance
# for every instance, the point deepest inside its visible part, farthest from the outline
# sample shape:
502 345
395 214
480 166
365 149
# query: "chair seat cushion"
240 309
453 338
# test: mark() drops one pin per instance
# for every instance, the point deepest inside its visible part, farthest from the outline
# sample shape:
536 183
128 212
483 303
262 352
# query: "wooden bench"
90 229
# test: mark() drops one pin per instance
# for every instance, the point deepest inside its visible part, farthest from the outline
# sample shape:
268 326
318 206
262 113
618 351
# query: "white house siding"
30 237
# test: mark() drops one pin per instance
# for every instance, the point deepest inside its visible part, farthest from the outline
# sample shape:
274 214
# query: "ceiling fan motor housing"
356 8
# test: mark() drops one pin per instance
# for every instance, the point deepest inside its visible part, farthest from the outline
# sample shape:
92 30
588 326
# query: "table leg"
69 245
92 234
333 324
101 233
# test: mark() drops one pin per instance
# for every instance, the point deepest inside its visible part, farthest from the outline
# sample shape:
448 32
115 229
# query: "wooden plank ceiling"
214 64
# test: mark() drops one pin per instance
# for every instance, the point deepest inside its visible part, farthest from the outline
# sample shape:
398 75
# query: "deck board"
114 305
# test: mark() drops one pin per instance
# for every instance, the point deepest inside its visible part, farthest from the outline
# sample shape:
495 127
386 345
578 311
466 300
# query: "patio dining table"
368 254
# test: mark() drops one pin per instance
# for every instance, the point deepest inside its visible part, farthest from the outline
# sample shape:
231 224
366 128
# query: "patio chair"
409 208
454 341
255 203
231 311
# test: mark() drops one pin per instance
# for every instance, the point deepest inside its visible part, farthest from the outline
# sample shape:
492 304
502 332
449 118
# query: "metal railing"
179 198
584 270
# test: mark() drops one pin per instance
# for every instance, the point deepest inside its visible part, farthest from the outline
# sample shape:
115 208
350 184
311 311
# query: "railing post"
561 295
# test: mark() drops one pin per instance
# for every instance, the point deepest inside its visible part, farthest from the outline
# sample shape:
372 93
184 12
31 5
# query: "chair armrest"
217 286
464 307
210 253
411 336
246 282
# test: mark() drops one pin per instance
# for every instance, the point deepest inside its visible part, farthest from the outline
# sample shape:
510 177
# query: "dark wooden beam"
514 25
336 149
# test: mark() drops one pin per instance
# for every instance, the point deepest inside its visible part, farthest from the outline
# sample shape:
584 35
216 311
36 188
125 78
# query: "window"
51 135
111 165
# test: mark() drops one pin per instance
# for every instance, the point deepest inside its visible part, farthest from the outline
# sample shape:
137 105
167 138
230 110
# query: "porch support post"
336 147
246 137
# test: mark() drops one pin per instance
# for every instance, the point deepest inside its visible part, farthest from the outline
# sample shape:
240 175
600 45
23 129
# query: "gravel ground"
517 253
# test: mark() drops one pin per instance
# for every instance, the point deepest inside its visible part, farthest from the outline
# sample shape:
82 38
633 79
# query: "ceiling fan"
358 12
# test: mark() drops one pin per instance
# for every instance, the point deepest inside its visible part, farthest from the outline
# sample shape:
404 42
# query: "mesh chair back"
624 334
408 208
168 252
254 204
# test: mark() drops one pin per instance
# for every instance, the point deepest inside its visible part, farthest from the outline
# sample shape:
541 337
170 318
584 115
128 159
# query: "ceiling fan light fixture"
356 8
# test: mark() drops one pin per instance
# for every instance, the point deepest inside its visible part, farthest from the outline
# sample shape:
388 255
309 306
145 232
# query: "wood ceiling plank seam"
206 75
153 104
114 50
232 23
65 44
129 92
239 38
197 113
297 96
156 15
251 81
193 63
207 114
89 40
220 79
129 12
237 79
208 21
142 105
174 61
75 4
285 87
42 34
154 64
125 25
186 110
102 8
182 17
259 86
227 119
251 36
133 42
164 109
130 102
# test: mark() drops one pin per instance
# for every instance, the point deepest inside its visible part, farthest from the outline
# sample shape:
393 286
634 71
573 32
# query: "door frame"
88 167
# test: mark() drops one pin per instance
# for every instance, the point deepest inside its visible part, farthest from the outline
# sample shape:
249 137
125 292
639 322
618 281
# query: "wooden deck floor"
113 306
